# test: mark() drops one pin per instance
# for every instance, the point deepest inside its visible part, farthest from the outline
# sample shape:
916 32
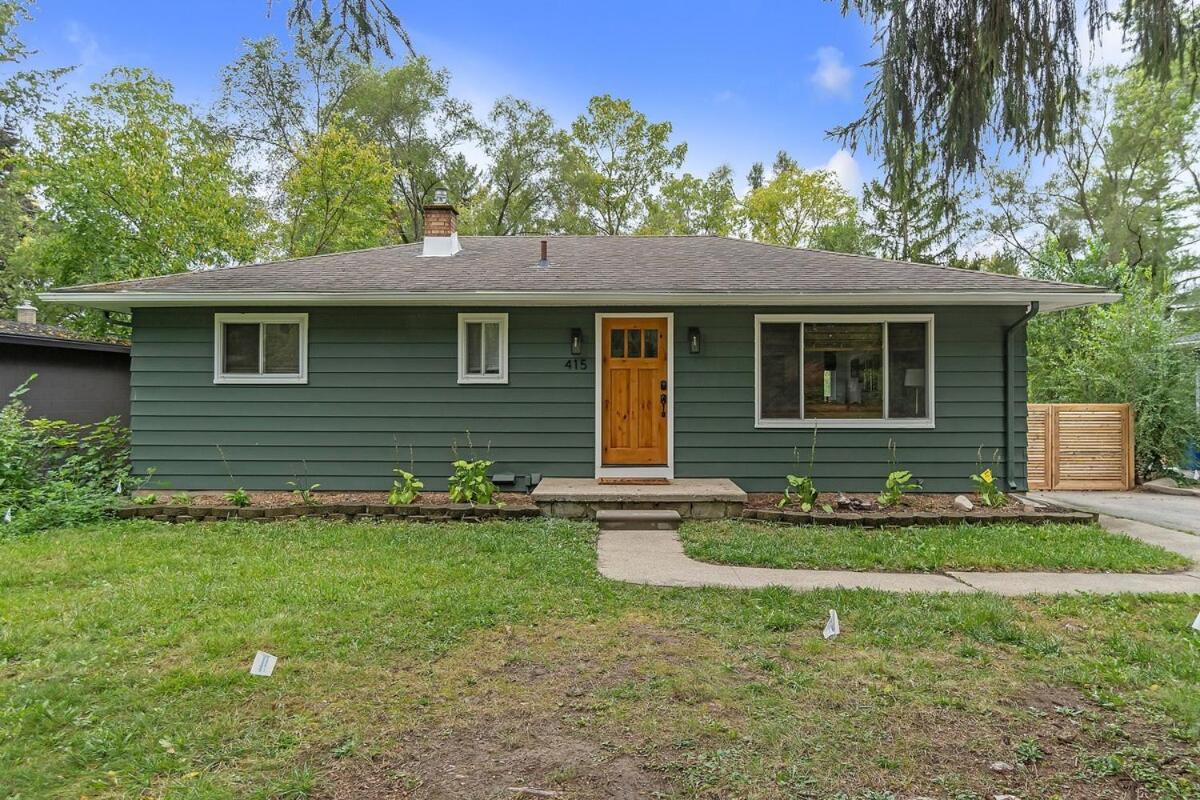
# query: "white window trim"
463 376
219 376
924 422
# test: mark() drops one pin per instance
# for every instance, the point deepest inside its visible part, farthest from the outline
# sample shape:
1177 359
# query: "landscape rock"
1000 766
963 504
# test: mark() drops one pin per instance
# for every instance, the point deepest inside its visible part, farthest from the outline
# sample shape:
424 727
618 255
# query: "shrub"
406 489
54 472
471 484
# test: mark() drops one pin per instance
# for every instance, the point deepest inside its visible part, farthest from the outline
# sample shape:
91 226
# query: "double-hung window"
483 348
261 348
848 370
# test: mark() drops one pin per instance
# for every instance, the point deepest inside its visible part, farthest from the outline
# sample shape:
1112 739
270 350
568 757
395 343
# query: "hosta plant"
801 492
898 482
405 489
238 497
470 483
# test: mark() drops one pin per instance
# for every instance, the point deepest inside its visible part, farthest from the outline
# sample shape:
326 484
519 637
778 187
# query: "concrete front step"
625 520
584 498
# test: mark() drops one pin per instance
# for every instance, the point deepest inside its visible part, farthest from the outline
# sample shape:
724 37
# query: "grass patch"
993 547
459 660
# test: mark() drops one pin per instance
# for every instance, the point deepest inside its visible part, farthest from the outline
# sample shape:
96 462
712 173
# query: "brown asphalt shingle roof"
41 333
675 264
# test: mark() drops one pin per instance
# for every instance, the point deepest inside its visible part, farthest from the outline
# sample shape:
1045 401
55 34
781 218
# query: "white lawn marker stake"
264 664
1196 623
832 627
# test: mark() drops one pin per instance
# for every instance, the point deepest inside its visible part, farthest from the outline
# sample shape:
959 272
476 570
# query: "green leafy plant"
238 497
405 489
145 499
801 490
470 482
304 493
898 481
55 473
181 499
985 484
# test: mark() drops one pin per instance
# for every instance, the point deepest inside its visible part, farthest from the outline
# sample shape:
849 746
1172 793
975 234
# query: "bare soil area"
866 501
286 499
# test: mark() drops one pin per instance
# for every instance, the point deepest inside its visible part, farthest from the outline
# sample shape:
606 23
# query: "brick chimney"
27 313
441 226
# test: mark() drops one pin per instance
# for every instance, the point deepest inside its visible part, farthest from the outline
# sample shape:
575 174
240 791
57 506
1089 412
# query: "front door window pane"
635 344
843 370
651 342
241 348
616 346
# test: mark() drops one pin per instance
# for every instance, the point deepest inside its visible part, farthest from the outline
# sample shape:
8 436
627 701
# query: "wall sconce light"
693 340
576 341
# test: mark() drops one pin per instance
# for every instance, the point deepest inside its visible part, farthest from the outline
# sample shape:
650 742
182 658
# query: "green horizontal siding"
383 389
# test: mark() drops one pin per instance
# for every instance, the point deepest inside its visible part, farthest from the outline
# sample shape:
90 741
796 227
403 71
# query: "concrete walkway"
656 558
1164 510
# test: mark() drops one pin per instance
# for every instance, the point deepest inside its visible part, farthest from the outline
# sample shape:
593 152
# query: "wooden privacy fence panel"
1080 446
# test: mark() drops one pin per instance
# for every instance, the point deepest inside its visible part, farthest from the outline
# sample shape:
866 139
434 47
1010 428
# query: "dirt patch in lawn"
630 708
288 499
866 501
530 708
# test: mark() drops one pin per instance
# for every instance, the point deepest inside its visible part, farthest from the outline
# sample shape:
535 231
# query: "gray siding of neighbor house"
73 384
384 380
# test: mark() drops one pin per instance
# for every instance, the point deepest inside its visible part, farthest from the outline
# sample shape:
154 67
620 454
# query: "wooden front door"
635 393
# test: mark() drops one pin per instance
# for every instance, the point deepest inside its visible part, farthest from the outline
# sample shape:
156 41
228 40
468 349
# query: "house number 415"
575 363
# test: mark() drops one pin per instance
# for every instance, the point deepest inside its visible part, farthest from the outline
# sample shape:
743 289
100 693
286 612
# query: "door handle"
662 398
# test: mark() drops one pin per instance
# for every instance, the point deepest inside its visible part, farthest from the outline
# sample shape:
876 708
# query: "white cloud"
87 47
832 76
846 170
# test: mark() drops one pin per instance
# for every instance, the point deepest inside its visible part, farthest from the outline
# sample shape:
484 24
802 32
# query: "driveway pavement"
1168 511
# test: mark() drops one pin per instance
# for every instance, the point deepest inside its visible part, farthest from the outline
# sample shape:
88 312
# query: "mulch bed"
288 499
863 509
334 506
867 501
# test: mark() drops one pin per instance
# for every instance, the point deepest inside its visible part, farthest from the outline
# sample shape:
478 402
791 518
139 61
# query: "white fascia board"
124 301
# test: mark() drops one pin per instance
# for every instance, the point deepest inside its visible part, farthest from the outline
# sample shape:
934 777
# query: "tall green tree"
522 145
955 75
337 196
23 93
408 111
912 212
692 206
1126 178
135 185
796 205
613 162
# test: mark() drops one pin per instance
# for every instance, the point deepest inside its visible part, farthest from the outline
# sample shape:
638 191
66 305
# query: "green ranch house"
655 358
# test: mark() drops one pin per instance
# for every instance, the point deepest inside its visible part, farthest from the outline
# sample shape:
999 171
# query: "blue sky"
739 80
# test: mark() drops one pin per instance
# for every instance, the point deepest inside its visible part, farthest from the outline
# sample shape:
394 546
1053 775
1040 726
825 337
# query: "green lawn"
460 660
1001 547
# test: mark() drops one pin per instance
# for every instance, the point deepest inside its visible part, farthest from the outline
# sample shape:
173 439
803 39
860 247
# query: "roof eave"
124 301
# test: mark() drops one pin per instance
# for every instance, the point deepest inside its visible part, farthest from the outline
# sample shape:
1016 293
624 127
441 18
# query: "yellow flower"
986 475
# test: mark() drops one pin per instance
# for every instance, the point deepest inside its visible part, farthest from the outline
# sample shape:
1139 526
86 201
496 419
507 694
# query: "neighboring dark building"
79 379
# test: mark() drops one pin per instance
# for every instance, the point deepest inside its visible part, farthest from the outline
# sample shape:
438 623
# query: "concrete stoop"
688 498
